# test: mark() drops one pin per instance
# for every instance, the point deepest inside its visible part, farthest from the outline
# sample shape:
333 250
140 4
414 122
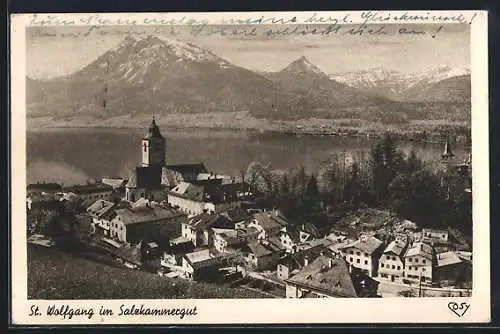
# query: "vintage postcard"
250 168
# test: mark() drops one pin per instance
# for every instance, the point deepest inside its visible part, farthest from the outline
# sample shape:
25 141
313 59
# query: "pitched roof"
203 220
419 248
367 245
396 247
189 190
270 220
189 172
114 182
203 258
297 260
236 215
447 258
311 229
100 208
147 214
329 275
260 249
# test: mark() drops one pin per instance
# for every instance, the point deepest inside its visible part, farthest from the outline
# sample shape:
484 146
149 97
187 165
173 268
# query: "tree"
285 184
416 196
312 187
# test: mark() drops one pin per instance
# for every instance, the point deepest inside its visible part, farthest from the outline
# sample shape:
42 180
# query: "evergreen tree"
285 184
312 187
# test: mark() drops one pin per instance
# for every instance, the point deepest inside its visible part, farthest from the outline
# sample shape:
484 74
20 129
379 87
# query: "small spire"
447 153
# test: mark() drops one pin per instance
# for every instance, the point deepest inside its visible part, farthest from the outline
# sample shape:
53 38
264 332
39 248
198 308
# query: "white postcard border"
256 311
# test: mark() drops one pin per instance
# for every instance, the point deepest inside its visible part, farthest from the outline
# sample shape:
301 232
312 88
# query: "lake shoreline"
405 136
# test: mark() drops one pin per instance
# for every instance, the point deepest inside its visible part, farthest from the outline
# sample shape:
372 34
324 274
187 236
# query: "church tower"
153 147
447 157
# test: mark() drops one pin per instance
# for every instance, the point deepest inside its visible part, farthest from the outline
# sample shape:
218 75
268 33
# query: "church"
152 178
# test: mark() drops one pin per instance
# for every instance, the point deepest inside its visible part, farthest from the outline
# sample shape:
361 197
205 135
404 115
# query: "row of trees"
384 178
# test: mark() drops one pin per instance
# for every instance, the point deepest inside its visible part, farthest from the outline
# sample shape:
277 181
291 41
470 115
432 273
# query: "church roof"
154 131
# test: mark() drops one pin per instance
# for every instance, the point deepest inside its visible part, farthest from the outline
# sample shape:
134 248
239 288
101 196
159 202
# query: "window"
351 252
366 254
382 265
410 259
366 262
388 257
443 236
399 267
416 260
145 147
393 267
423 269
357 261
394 258
358 253
423 261
350 259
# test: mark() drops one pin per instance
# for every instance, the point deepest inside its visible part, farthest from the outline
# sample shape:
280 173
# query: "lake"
77 155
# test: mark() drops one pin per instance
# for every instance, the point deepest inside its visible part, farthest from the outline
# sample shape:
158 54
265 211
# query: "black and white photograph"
262 157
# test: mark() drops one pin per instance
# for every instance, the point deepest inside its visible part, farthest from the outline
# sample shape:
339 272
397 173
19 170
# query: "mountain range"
158 76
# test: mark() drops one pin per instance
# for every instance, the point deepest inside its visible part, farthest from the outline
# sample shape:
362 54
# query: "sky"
53 52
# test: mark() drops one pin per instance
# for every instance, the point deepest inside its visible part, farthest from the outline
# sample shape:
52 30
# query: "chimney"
102 204
350 268
330 263
306 260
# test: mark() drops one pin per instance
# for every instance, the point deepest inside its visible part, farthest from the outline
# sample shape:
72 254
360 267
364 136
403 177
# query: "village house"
451 267
198 228
293 263
391 263
102 213
146 223
196 198
308 232
261 255
89 192
236 218
268 223
289 238
418 262
226 240
364 254
435 234
329 277
203 265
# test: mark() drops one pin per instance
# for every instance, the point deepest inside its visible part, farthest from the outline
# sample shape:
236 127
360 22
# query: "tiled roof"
327 275
204 258
100 208
189 190
236 215
419 248
203 220
447 258
367 245
147 214
396 247
259 249
189 172
270 220
311 229
296 260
